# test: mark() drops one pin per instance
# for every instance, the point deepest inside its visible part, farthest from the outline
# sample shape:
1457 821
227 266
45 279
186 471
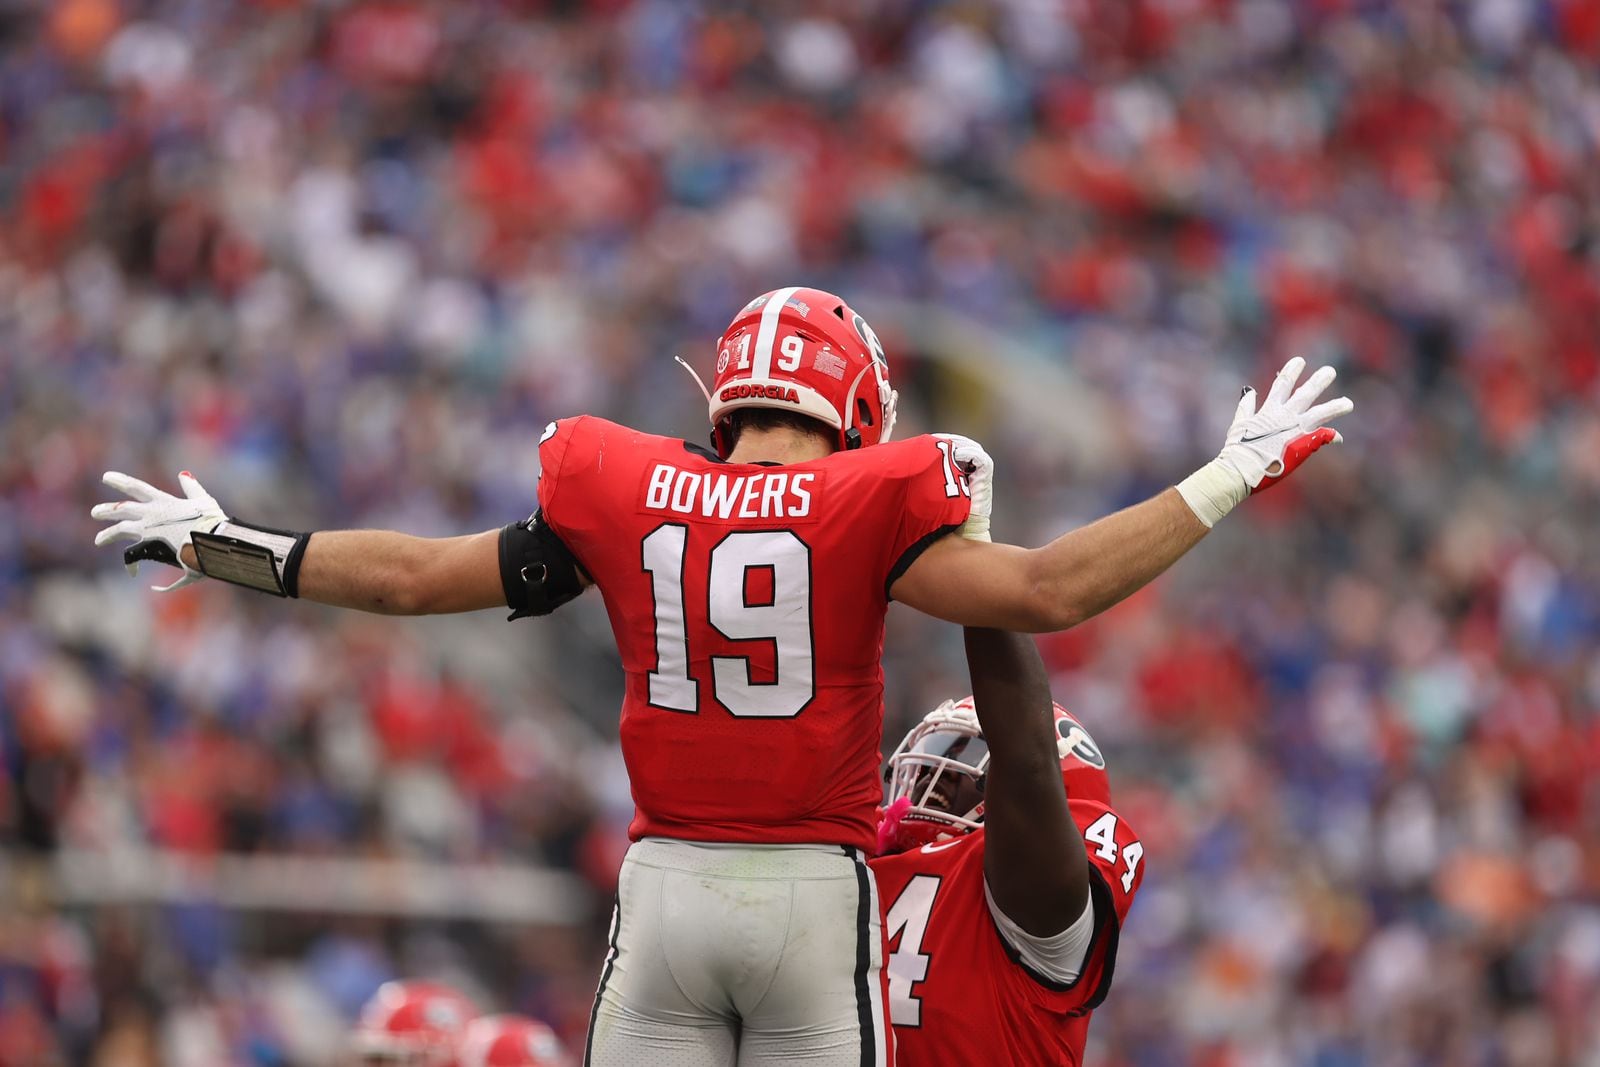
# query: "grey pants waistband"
742 860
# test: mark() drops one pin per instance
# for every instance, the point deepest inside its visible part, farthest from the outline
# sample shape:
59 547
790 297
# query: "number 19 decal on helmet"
805 351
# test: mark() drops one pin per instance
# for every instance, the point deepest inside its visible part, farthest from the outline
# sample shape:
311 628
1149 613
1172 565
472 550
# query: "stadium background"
344 260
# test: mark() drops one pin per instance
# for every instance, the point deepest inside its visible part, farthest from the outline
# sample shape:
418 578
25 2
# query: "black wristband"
291 565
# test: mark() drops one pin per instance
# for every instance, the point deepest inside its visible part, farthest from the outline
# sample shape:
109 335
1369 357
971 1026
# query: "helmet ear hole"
863 412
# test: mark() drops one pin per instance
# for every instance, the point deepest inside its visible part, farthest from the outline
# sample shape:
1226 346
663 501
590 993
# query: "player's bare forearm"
1084 572
1034 858
398 574
1073 578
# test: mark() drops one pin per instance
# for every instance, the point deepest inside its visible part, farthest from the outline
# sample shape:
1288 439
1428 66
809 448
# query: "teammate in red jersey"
747 588
1002 924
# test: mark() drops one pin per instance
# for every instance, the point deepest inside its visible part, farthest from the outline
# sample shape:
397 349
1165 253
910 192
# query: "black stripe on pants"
869 1024
605 976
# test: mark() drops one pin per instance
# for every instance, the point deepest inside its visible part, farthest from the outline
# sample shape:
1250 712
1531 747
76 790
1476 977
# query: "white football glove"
1265 446
978 466
158 522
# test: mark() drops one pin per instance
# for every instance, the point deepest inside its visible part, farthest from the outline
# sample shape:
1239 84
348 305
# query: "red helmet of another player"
937 774
510 1041
413 1023
805 351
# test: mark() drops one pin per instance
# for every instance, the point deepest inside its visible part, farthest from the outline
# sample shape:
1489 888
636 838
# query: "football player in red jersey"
747 587
1002 924
411 1024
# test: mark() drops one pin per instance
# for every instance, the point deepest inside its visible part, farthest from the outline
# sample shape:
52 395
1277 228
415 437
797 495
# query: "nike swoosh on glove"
971 459
158 522
1265 446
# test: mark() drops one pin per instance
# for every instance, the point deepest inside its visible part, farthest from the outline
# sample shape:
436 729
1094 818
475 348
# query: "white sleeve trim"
1058 957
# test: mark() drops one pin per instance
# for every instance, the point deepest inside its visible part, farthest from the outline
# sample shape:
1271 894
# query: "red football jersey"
748 603
958 995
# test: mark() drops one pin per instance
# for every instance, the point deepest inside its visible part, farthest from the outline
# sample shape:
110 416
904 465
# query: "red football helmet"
510 1041
412 1023
806 351
943 762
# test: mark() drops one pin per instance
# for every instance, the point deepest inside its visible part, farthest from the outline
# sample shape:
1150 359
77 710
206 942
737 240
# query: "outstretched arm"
1074 578
1086 571
523 566
1033 859
397 574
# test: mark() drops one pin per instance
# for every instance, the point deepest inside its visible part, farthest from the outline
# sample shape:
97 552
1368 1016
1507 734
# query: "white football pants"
742 956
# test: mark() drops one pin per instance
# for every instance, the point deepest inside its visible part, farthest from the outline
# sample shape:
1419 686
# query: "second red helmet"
412 1023
510 1041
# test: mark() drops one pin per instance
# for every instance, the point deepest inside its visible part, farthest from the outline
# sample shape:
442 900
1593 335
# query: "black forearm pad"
538 571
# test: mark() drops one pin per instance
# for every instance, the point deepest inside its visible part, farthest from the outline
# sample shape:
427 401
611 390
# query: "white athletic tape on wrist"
1213 491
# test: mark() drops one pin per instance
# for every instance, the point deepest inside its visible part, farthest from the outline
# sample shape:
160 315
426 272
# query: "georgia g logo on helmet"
1073 740
869 338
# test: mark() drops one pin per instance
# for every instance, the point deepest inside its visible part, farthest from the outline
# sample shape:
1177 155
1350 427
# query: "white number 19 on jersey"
785 621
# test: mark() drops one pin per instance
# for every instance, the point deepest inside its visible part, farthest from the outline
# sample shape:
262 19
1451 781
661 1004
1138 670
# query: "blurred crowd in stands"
343 260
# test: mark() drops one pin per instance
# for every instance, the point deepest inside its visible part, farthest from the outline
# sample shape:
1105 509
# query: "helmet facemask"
936 778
